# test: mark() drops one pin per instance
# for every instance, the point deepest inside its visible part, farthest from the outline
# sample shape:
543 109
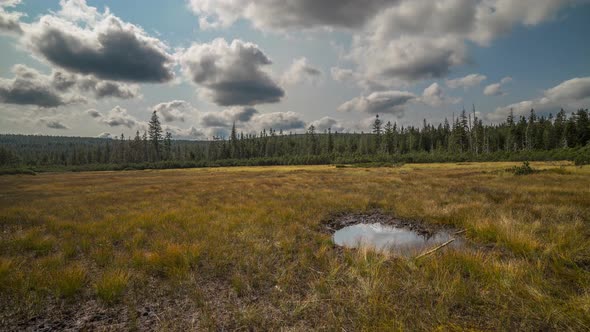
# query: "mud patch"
387 234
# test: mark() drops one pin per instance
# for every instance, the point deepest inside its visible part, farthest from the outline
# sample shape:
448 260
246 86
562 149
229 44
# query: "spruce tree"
155 133
168 145
377 132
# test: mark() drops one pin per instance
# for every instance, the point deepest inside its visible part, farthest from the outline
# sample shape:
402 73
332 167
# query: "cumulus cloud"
116 117
382 102
9 3
81 40
428 38
29 87
394 41
496 18
249 120
326 123
78 11
347 75
100 89
231 74
228 116
191 133
407 59
301 71
10 21
173 110
434 95
94 113
279 14
342 74
571 94
104 135
496 89
53 123
466 82
107 89
278 121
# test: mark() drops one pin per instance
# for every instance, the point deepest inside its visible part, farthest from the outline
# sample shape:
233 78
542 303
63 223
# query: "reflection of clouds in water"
386 237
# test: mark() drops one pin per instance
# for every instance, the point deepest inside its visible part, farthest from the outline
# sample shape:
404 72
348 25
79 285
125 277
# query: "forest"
464 138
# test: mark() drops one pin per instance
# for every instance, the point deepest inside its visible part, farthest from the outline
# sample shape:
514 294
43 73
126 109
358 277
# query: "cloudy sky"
91 68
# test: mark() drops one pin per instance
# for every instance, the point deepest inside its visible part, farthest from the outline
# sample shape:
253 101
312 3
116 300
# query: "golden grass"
111 285
243 248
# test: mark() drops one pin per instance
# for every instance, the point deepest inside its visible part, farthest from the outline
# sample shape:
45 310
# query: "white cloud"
53 123
228 116
572 94
394 41
175 110
391 102
231 74
10 22
81 40
301 71
342 74
280 14
118 116
278 121
326 123
466 82
30 87
497 89
434 96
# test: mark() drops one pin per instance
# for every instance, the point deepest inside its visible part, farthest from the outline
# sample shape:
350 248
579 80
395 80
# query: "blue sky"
283 65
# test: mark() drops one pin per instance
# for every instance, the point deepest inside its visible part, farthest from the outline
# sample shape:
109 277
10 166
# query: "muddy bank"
340 220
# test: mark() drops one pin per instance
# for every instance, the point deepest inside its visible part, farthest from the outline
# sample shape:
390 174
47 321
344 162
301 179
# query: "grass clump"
111 286
524 169
69 281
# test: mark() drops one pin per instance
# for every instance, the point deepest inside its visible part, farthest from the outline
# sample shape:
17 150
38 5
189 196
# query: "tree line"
464 138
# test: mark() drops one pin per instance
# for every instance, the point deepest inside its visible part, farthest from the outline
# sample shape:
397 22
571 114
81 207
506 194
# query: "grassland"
244 249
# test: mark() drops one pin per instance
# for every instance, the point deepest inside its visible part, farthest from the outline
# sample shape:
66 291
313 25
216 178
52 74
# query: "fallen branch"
460 232
435 249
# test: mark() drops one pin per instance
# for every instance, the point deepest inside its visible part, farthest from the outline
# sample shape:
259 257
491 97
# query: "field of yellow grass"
244 249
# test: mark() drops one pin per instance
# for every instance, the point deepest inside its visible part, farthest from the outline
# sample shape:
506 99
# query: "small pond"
402 240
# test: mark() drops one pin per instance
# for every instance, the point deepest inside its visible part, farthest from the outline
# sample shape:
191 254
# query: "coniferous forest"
465 138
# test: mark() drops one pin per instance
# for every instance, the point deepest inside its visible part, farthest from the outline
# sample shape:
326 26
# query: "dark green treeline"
465 138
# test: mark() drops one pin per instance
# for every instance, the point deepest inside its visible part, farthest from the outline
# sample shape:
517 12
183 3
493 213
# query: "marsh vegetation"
246 248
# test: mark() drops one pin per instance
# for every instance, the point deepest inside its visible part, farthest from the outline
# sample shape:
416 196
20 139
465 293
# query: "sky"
100 68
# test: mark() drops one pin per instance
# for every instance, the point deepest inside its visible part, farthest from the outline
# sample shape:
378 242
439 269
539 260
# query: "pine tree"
389 138
155 133
312 140
145 146
377 132
330 141
168 145
530 136
583 127
233 138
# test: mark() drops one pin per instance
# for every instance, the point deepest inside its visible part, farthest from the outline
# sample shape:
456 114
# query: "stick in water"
435 249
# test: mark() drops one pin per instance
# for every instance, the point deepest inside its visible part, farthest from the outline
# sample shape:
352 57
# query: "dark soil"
340 220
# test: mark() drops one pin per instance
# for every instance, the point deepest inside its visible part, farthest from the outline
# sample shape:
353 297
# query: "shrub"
524 169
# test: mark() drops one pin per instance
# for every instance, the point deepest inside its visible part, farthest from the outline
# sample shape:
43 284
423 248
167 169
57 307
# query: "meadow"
245 248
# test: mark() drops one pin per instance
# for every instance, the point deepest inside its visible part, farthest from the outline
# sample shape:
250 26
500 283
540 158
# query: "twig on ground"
435 249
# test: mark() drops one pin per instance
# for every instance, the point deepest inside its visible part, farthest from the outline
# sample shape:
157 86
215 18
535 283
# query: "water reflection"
384 238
